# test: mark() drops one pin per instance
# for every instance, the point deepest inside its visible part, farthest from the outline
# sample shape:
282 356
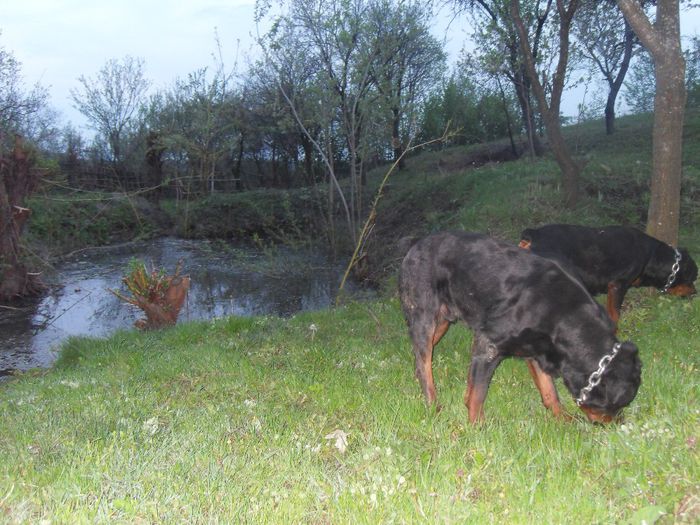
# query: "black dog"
518 304
612 259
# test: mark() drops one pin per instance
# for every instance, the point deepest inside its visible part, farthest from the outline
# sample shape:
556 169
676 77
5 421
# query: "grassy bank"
318 419
63 222
235 421
441 190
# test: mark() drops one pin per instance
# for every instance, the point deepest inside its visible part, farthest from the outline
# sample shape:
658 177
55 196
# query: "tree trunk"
237 181
396 144
513 147
669 108
570 169
662 40
616 84
17 181
522 91
308 148
165 313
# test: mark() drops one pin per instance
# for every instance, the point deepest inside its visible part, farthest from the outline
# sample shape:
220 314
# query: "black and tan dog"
517 304
613 259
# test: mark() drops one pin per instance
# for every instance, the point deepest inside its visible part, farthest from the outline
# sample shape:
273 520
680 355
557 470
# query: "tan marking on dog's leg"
546 387
613 311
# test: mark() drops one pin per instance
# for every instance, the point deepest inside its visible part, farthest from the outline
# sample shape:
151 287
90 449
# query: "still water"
225 280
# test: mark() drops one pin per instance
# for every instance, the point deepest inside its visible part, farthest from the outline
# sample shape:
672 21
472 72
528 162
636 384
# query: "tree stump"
18 179
158 295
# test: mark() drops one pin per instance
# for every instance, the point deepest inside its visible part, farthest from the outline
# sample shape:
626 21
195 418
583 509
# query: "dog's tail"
404 244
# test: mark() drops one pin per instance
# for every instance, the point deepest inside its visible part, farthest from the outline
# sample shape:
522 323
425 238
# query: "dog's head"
684 284
617 388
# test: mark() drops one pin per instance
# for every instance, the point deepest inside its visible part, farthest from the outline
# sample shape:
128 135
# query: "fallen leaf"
341 439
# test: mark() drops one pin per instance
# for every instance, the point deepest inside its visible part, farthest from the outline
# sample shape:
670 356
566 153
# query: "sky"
57 41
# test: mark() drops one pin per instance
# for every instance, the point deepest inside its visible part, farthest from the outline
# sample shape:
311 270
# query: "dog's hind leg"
616 294
545 384
426 332
485 359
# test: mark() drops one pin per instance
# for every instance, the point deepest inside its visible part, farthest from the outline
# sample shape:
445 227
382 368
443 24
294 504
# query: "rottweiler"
614 258
517 304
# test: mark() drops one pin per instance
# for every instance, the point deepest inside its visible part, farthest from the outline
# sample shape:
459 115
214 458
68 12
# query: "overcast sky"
57 41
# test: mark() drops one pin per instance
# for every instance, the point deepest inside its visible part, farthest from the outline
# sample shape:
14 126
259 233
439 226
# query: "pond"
225 280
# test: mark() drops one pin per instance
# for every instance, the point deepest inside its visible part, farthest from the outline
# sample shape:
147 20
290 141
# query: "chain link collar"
674 271
595 377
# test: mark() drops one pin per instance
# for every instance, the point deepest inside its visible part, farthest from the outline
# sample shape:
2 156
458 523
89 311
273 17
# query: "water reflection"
225 280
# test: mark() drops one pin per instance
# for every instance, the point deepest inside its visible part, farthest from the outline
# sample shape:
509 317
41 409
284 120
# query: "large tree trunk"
662 40
669 108
17 182
570 169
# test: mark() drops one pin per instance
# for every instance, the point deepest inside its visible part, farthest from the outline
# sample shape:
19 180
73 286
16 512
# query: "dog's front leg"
545 385
424 373
485 360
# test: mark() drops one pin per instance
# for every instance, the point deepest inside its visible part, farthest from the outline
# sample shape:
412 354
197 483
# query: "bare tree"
662 39
20 109
333 35
499 49
550 109
111 100
18 180
607 40
294 67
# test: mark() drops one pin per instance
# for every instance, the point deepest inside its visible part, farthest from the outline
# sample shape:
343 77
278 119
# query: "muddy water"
225 280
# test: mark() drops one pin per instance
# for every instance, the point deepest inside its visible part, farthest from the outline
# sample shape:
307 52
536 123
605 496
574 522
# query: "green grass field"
236 420
318 418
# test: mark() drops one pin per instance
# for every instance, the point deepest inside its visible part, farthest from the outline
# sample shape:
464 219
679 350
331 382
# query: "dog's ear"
629 347
526 234
630 356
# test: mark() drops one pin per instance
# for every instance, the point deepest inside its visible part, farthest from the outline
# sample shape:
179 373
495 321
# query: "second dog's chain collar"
674 270
595 377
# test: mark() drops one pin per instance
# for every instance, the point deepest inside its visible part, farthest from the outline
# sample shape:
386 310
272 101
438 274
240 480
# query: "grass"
241 420
63 222
230 421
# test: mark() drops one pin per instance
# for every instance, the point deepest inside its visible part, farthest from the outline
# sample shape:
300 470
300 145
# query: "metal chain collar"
674 270
594 379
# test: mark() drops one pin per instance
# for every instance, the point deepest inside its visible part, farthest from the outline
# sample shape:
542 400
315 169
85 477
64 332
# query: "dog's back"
612 254
494 286
597 255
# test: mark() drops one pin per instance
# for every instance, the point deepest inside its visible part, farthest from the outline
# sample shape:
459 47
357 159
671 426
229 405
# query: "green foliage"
150 285
277 214
477 115
62 223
